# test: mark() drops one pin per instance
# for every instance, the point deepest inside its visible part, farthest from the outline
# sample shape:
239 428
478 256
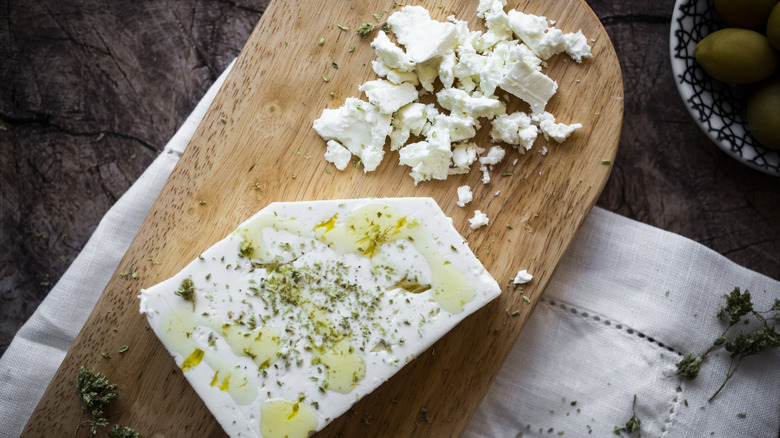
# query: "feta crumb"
447 69
429 159
390 54
423 37
485 174
494 156
388 96
464 196
515 129
427 72
397 77
337 154
498 192
558 131
458 101
479 220
532 86
523 277
577 46
358 126
463 156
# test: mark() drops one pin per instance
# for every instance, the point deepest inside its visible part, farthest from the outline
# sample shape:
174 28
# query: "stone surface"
93 90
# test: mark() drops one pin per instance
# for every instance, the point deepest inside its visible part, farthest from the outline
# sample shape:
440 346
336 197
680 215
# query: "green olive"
747 14
737 56
763 112
773 27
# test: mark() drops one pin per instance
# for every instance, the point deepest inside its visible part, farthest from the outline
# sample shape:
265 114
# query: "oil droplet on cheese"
261 344
253 245
192 360
286 419
345 367
175 331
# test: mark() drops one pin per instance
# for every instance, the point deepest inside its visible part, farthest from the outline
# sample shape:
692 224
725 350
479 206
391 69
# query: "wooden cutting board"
256 145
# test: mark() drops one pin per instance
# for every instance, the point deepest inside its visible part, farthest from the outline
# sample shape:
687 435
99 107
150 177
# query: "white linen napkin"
625 304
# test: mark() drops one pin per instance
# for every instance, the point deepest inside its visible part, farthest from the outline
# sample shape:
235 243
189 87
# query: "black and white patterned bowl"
718 108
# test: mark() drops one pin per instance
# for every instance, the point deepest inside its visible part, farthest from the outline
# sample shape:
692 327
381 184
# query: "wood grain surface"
256 145
85 109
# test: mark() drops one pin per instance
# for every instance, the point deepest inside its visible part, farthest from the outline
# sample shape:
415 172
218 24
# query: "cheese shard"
308 306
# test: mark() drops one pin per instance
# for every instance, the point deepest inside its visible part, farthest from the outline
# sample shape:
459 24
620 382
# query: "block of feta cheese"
308 306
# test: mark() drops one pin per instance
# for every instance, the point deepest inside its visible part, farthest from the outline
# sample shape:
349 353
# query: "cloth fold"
626 303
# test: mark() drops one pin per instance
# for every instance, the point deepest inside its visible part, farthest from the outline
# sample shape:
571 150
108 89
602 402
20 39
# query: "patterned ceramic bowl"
718 108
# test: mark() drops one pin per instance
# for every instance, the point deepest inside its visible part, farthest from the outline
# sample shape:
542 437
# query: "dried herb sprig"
187 290
633 424
738 306
95 392
122 432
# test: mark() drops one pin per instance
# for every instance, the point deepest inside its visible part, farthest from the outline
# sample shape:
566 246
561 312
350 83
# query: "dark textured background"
91 90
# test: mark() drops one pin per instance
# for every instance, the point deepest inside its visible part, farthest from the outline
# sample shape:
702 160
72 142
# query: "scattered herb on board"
122 432
95 392
342 27
632 425
321 41
738 306
364 29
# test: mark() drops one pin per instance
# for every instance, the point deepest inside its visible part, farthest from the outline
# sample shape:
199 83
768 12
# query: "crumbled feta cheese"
394 76
423 37
489 5
493 157
464 196
390 54
463 156
359 127
523 277
515 129
577 46
447 69
430 158
388 96
471 66
337 154
558 131
460 102
529 28
427 72
485 174
532 86
479 220
409 119
460 126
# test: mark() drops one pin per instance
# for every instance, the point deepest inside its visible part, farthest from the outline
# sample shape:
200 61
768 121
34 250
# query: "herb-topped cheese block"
308 306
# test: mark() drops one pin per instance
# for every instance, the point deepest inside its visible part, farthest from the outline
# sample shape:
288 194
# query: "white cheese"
461 127
447 69
479 220
430 158
423 37
427 72
529 28
337 154
523 277
463 156
558 131
409 119
485 174
388 96
577 46
306 307
488 5
532 86
358 126
392 75
464 196
493 157
460 102
391 55
515 129
552 43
